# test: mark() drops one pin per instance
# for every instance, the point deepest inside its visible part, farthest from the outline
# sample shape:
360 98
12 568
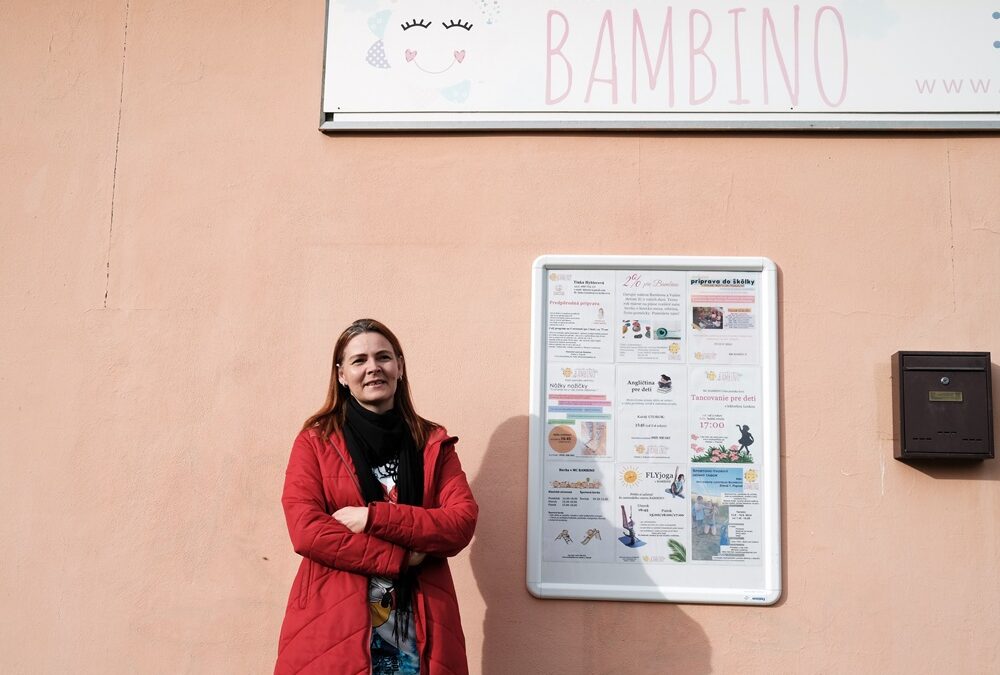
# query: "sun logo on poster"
629 476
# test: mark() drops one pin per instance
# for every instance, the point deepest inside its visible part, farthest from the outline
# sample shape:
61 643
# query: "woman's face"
371 370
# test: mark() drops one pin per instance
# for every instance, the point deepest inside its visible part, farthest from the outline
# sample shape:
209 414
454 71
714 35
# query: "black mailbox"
942 404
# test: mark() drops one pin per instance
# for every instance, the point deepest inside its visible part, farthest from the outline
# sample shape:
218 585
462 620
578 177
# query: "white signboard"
653 470
647 64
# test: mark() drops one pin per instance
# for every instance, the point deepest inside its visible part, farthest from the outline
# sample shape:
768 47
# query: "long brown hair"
330 418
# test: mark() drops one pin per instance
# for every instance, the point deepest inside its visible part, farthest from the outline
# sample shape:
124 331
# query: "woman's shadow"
524 634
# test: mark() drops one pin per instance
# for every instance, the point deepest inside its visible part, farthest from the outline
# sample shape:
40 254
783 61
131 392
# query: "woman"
677 486
375 500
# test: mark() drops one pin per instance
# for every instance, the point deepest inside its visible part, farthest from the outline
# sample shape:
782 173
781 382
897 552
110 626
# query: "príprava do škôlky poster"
652 418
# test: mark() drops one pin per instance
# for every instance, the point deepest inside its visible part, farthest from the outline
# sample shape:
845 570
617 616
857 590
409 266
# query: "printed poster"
652 412
578 411
580 312
650 321
723 317
653 419
654 524
724 415
725 514
577 508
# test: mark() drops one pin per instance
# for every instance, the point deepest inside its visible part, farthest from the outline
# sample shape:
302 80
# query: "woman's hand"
354 518
416 557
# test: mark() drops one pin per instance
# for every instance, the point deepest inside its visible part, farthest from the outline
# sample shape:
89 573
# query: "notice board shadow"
522 633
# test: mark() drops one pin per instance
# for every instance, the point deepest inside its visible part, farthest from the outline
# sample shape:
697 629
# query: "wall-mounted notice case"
654 436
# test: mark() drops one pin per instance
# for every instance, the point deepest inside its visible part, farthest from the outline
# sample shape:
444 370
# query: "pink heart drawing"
460 55
411 54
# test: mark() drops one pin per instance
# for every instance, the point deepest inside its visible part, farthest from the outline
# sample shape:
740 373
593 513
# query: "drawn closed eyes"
424 23
457 23
412 23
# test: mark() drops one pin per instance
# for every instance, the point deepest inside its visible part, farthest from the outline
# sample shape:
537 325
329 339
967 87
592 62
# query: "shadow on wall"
525 634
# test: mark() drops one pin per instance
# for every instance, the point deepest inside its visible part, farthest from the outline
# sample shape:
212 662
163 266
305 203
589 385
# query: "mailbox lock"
945 381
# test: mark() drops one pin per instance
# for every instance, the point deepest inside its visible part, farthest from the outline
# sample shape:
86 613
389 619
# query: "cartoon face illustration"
439 54
434 38
433 44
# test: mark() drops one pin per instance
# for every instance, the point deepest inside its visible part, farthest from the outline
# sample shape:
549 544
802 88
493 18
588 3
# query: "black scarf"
384 442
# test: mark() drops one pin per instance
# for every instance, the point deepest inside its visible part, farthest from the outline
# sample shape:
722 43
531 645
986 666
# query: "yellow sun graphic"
674 348
750 476
629 475
710 375
567 372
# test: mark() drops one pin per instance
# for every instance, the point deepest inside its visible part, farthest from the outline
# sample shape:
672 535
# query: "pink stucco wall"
180 247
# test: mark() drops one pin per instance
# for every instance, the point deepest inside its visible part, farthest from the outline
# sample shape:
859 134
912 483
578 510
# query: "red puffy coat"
327 626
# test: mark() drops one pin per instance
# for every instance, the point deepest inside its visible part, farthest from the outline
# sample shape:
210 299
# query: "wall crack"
114 170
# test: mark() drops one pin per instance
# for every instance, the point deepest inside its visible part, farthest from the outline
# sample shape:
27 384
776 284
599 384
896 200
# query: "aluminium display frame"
768 592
